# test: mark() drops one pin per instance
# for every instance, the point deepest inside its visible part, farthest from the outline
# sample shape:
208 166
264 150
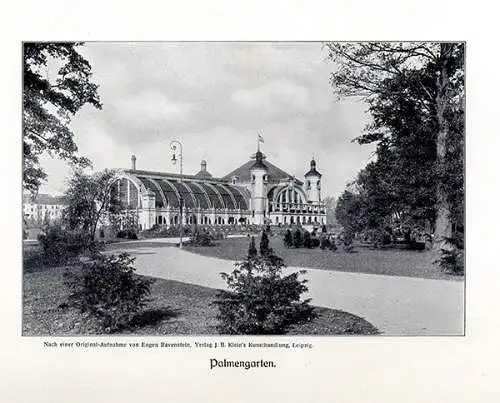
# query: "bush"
348 239
108 289
261 299
297 239
288 240
201 239
161 232
333 245
59 245
451 259
324 242
126 234
314 242
306 240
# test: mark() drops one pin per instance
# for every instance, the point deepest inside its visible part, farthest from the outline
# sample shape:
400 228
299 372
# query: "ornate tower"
258 173
313 184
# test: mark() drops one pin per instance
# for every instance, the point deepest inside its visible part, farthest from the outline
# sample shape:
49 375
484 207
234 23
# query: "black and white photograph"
271 188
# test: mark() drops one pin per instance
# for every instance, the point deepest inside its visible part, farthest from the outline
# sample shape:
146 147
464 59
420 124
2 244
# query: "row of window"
192 219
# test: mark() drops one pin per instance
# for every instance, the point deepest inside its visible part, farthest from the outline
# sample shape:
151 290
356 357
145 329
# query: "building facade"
257 192
42 208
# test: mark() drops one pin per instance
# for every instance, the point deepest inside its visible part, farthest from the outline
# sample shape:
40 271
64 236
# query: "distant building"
43 208
257 192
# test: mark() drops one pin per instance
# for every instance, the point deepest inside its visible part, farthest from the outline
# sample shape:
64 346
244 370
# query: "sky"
214 98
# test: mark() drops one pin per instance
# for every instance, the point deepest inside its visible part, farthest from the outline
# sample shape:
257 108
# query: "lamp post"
174 144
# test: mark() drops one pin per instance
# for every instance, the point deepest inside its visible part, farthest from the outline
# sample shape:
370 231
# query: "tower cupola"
258 161
203 171
313 171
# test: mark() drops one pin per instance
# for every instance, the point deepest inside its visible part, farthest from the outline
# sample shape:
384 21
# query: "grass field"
175 309
388 262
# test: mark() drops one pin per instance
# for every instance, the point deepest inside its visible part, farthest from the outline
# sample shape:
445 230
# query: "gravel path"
395 305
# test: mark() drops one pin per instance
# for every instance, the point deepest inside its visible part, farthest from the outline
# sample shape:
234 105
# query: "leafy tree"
330 203
89 197
49 103
425 77
350 211
261 299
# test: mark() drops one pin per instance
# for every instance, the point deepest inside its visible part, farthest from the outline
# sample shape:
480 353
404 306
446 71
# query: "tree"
264 244
89 197
49 103
330 203
288 240
297 238
385 71
350 211
252 250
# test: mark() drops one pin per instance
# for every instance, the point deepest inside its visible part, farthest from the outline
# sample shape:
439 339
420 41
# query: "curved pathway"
395 305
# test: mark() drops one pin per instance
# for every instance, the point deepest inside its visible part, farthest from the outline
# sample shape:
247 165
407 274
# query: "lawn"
175 309
389 262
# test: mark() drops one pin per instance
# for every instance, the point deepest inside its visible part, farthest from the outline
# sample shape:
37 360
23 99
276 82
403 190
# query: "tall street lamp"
174 144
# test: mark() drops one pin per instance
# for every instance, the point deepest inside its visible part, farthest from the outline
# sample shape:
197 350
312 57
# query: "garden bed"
390 262
175 309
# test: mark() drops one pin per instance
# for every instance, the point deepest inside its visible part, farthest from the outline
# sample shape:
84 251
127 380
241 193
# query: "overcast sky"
214 98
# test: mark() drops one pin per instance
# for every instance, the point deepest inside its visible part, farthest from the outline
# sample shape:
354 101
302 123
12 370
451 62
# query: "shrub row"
303 239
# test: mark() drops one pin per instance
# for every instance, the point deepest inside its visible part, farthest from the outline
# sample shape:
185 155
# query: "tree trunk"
443 228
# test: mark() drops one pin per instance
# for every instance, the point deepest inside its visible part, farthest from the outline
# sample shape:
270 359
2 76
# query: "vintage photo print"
243 189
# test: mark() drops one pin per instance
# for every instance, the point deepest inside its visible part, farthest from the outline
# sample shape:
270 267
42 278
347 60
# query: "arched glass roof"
215 197
201 197
169 192
196 194
241 201
150 185
226 197
185 193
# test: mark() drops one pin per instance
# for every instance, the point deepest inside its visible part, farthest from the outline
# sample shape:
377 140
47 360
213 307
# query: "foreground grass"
175 309
389 262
